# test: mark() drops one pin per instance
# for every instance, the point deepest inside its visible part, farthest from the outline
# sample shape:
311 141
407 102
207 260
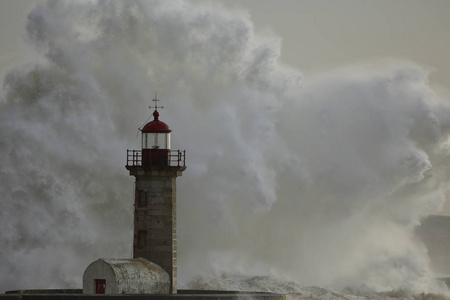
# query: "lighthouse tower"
155 168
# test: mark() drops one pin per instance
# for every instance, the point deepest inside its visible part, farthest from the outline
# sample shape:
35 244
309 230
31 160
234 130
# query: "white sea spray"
320 183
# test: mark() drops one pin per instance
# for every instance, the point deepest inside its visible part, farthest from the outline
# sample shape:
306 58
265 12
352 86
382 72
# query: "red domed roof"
156 125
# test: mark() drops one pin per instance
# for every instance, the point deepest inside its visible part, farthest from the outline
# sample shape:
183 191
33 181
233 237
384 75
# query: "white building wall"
126 276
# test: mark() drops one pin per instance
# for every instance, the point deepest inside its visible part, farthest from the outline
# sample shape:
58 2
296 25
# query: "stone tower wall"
157 218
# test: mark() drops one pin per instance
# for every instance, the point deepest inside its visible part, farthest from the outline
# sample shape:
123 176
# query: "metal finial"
156 103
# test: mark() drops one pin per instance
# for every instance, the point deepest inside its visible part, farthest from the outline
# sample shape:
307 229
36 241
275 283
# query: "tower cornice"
171 171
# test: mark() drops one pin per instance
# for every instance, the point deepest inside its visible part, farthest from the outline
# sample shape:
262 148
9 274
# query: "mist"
320 181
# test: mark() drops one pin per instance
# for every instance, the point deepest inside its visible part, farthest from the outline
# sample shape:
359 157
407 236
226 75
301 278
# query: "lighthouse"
155 168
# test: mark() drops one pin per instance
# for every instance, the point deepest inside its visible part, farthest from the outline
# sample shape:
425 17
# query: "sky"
316 35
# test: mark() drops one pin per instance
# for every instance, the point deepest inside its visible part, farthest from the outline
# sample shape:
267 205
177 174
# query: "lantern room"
155 142
156 134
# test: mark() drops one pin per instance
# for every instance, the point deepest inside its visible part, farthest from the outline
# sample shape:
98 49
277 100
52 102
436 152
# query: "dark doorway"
100 286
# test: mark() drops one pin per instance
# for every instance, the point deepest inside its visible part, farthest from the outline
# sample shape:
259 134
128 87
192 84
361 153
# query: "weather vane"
156 103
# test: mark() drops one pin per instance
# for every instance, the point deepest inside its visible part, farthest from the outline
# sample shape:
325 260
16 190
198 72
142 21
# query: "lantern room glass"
152 140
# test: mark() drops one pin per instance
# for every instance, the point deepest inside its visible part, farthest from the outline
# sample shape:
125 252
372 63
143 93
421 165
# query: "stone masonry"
156 221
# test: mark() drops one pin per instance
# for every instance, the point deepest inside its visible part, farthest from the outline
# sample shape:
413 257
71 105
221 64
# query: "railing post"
133 157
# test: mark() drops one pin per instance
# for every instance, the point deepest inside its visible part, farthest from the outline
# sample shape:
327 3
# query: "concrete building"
125 276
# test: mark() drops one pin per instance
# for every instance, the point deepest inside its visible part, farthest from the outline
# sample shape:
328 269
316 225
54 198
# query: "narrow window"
142 198
142 239
100 286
